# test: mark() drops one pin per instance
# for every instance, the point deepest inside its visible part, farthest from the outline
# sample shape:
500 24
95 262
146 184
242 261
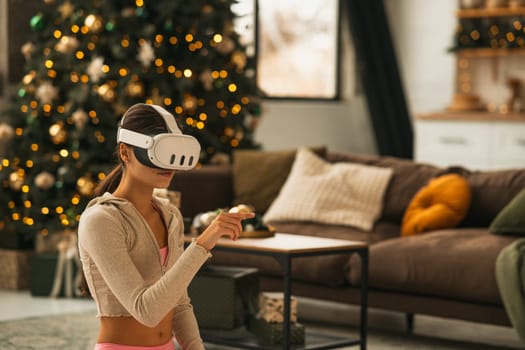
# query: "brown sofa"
445 273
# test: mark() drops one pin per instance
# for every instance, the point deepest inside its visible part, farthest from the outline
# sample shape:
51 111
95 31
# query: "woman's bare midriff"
128 331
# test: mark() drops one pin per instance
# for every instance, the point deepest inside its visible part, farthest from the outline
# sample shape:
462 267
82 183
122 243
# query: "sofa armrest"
206 188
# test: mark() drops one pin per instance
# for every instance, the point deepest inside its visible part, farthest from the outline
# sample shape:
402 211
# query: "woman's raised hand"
224 225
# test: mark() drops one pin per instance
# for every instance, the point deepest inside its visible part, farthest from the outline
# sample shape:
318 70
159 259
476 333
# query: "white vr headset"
172 151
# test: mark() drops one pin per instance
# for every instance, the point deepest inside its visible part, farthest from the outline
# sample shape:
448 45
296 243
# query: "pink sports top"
164 254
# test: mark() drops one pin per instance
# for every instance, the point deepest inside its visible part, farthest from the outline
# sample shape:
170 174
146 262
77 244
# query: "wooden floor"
20 304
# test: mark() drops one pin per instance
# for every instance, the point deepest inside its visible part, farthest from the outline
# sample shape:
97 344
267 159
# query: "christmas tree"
86 63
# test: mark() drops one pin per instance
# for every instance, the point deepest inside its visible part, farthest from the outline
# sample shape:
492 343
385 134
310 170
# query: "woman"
131 246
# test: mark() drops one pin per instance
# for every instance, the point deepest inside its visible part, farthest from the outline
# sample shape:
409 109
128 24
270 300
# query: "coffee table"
284 248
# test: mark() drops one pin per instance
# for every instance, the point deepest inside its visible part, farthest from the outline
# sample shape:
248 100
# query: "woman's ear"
123 152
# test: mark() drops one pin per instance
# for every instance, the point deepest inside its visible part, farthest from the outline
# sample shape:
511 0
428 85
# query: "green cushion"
510 276
511 219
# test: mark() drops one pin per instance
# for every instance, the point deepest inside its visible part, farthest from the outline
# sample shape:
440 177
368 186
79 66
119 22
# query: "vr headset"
170 151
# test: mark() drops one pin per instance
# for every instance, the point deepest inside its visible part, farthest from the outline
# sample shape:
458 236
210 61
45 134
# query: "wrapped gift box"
272 332
14 269
224 297
271 307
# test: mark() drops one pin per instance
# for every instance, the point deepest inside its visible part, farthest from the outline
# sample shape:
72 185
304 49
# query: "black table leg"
364 297
287 288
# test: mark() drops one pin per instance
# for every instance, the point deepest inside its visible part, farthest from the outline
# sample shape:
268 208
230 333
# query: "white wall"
422 32
341 125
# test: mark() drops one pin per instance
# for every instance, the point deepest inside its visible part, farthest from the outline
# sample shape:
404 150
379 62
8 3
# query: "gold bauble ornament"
239 59
106 92
16 181
226 45
190 102
80 118
207 9
29 77
85 186
94 23
58 133
27 50
66 9
135 89
45 180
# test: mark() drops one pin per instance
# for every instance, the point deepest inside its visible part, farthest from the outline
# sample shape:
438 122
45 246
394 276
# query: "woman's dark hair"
142 118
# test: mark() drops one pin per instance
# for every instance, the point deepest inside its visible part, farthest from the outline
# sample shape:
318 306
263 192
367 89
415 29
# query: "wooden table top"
290 243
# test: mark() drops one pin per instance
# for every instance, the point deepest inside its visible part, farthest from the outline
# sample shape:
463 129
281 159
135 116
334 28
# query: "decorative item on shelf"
514 33
472 4
465 102
470 34
516 4
252 228
464 99
515 101
494 4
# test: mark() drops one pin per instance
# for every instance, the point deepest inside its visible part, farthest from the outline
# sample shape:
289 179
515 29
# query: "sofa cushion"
204 188
259 175
340 194
407 179
491 192
510 220
327 270
442 203
453 263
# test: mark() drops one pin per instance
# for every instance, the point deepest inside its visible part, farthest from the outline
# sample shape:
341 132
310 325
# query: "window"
298 44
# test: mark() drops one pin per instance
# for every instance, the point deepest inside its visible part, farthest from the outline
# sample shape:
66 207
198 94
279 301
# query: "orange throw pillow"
442 203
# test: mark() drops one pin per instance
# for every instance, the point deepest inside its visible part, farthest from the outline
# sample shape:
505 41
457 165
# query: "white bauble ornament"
146 54
94 69
46 92
80 118
27 50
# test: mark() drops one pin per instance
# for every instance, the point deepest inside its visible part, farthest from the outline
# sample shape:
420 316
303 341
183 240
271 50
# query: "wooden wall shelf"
498 12
473 116
489 52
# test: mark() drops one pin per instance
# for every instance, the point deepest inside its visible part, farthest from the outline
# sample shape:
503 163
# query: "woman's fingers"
229 229
225 224
231 222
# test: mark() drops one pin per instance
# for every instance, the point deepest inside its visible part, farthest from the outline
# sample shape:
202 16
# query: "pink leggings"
110 346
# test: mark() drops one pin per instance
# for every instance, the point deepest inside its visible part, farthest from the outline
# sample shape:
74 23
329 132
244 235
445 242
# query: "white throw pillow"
341 193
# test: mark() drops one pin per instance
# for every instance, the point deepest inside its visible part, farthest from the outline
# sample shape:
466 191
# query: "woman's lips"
166 173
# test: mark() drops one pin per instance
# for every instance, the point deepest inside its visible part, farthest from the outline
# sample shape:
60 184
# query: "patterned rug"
78 331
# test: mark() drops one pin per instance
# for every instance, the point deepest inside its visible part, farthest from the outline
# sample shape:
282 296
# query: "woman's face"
141 174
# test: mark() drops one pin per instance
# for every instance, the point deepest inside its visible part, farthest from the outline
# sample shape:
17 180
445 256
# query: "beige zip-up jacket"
123 268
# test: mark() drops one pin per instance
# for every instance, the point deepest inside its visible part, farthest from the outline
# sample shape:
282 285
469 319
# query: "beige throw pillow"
340 194
259 175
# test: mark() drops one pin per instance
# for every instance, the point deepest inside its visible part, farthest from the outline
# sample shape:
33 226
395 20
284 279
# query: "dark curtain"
379 74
